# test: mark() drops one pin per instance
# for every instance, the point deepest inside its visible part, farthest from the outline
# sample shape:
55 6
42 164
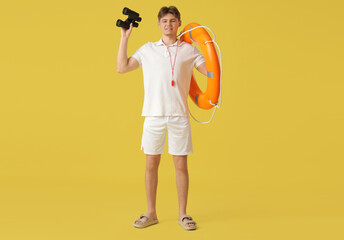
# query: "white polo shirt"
160 97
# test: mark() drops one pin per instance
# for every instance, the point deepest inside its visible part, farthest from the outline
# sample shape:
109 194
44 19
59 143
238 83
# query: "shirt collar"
161 43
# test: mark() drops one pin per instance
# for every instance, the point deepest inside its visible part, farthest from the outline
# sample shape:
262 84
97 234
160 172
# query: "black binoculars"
133 17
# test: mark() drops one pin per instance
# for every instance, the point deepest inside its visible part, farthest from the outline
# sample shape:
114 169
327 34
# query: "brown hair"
166 10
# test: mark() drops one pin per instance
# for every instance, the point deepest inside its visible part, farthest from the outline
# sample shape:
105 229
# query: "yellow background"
269 166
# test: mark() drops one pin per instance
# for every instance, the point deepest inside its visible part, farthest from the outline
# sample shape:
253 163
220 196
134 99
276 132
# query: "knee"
152 162
180 164
181 168
152 167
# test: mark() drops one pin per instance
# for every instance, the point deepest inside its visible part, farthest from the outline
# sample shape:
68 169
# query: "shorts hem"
181 154
143 150
148 153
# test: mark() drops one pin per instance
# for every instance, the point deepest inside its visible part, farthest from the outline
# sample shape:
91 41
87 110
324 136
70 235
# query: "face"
169 25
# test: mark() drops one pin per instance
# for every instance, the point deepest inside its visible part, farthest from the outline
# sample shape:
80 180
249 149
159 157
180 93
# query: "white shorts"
179 135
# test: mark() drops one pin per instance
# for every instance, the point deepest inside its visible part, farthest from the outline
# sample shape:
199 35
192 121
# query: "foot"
190 224
187 222
144 219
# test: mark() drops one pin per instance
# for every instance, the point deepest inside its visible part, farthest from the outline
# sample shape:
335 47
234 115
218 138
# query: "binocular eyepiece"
133 17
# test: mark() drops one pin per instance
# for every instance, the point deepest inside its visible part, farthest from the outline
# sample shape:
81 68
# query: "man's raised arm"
125 64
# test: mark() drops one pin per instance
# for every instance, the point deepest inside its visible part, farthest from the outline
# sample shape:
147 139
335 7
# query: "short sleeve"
138 55
199 59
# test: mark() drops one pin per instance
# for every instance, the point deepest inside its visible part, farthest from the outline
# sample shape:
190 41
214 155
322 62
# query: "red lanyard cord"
174 63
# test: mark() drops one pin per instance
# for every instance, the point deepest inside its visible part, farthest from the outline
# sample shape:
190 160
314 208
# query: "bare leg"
151 181
182 179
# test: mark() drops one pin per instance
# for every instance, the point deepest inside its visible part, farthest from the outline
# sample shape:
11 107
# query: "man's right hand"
126 32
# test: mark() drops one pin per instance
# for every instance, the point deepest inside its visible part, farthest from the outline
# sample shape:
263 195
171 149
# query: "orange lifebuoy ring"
209 98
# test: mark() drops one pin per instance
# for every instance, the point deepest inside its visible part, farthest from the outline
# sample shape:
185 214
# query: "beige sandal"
185 224
145 221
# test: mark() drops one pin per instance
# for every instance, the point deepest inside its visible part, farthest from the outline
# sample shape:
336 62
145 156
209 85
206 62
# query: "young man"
167 68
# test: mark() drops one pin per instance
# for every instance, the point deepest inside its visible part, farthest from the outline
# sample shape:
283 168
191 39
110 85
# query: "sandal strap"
188 219
141 219
145 215
185 216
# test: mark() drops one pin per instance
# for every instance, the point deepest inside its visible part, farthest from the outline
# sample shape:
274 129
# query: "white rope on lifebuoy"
220 102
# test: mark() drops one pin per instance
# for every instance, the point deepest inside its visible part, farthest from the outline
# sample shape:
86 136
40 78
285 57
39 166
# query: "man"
167 68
